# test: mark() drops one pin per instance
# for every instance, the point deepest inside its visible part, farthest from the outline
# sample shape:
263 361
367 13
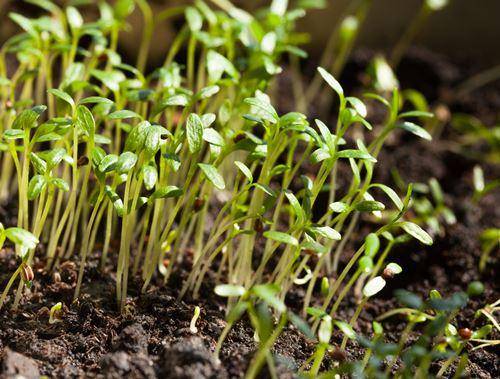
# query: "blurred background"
466 30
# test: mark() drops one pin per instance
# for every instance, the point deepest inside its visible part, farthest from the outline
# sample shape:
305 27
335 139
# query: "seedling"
481 187
490 240
428 8
192 325
55 313
146 160
475 139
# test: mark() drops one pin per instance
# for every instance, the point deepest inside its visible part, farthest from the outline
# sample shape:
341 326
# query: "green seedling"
490 242
427 9
147 159
326 326
55 313
257 304
476 140
24 242
192 325
481 187
429 205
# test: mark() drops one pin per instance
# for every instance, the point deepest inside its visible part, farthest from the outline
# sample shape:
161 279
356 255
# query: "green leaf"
213 137
137 137
319 155
327 232
229 290
482 333
208 92
281 237
436 190
24 23
111 79
372 245
365 264
38 163
21 237
391 194
346 329
338 207
299 212
374 286
96 100
126 161
415 129
194 19
268 43
325 329
212 175
208 119
85 120
217 65
316 313
54 157
325 133
62 95
332 82
355 154
150 175
301 325
408 299
394 268
358 105
74 17
152 142
416 114
266 189
263 109
416 232
268 293
436 5
74 73
123 8
60 183
123 114
36 185
478 178
245 170
108 163
194 133
166 192
13 134
369 206
27 118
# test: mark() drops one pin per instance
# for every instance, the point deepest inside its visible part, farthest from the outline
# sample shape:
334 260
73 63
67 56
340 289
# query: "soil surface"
153 339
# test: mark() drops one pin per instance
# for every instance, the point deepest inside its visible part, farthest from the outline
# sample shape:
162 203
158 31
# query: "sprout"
192 325
148 161
55 313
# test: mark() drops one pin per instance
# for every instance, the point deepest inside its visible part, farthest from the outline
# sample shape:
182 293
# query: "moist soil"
153 340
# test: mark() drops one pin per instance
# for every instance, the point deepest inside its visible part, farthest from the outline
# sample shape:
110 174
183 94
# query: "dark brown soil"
153 338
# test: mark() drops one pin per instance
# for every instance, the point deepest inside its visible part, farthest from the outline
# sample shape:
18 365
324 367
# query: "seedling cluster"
192 162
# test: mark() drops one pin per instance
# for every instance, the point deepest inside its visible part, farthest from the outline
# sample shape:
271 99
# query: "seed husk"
338 355
27 273
465 333
258 226
387 273
198 204
82 161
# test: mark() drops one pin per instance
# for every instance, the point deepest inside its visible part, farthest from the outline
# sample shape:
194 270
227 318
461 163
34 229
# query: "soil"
153 339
